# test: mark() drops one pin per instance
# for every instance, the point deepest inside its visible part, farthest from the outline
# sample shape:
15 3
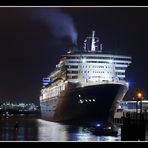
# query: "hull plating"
85 104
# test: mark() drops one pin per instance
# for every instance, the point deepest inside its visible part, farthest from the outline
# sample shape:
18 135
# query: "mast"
92 44
93 48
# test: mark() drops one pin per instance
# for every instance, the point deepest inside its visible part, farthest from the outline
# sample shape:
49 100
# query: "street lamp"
139 96
140 123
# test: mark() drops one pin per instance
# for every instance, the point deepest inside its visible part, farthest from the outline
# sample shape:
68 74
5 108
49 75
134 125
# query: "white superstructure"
93 65
88 67
96 67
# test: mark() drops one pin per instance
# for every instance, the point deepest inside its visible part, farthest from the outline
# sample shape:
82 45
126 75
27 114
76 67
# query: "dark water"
35 129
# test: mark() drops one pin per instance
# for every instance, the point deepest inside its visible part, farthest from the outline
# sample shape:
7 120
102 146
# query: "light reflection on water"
32 129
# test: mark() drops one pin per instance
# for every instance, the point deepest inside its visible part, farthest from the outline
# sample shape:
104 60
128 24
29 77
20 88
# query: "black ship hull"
88 104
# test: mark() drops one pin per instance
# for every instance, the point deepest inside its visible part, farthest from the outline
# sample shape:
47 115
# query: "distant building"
21 107
131 106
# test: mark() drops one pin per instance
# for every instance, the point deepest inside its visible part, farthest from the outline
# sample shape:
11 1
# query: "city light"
19 106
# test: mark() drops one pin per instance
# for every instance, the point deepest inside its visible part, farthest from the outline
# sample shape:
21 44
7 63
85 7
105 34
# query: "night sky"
30 48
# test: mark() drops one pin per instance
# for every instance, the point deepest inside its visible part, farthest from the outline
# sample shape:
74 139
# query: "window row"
95 57
85 66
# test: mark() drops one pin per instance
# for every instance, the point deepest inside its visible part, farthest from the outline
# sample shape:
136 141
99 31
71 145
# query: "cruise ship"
86 85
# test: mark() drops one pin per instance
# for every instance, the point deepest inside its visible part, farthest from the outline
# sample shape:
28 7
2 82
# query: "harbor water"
36 129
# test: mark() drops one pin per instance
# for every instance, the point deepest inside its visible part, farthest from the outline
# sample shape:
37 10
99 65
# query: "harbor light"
98 125
139 95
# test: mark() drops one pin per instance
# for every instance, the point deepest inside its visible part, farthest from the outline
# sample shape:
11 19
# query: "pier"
133 122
